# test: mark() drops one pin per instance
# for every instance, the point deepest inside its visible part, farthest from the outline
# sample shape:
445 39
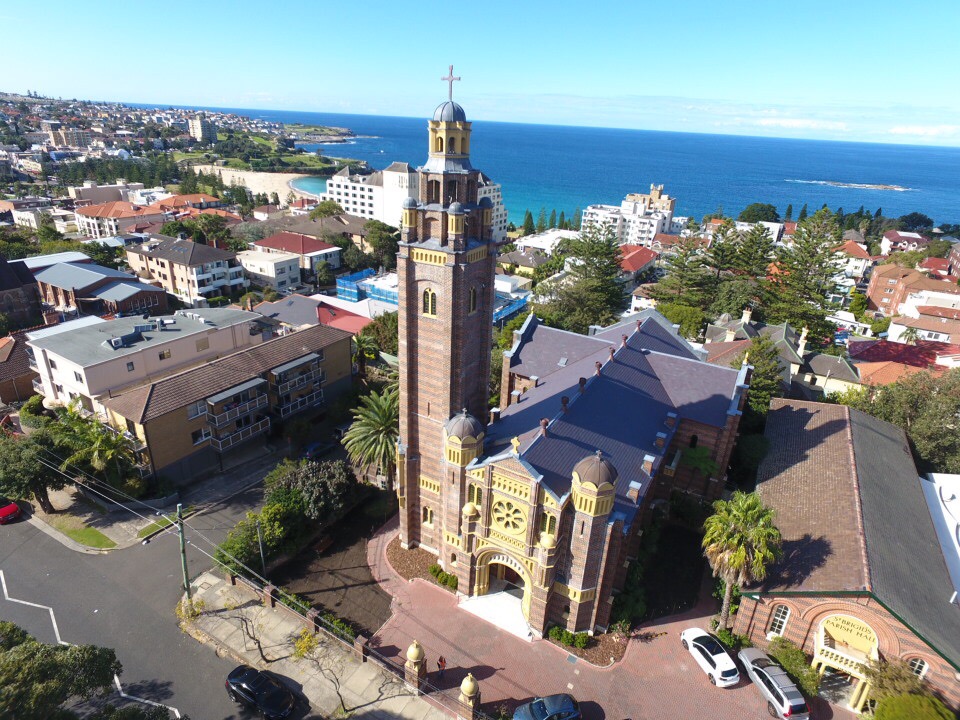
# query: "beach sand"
258 182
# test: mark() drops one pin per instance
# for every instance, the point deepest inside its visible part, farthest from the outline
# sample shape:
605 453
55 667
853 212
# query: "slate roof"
181 252
529 260
345 224
147 402
783 336
823 365
621 410
295 310
853 516
14 276
77 276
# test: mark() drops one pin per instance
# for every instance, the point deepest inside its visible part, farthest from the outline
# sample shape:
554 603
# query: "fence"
359 645
348 287
508 310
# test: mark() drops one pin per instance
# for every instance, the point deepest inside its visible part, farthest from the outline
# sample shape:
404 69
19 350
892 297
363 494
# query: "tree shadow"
799 559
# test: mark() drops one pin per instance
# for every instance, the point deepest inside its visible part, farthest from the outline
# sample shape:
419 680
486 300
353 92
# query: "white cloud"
925 130
802 123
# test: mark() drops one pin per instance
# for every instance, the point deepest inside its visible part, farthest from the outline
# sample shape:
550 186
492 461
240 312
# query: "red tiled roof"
116 209
179 201
887 373
295 243
636 257
304 203
937 311
897 236
789 227
342 319
941 265
666 238
922 355
853 250
266 209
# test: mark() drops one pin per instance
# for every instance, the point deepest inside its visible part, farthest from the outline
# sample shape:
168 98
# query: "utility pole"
183 551
263 562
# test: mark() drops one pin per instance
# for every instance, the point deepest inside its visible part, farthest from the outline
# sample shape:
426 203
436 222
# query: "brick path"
656 679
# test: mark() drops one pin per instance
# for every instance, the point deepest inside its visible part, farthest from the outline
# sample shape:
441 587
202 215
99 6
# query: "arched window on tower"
429 302
452 145
918 666
548 523
475 495
473 300
427 515
433 191
452 193
439 144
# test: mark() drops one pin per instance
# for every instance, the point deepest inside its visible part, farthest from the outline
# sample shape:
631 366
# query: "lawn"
76 530
162 523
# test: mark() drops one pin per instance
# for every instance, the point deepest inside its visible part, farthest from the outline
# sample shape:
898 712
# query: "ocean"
562 167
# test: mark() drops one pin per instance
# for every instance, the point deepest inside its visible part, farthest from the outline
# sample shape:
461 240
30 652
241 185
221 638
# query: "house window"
164 354
198 436
918 666
429 302
53 365
475 495
129 367
197 409
77 376
778 621
473 300
427 515
693 441
203 344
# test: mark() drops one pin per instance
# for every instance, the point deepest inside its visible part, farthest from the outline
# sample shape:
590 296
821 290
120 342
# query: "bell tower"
446 266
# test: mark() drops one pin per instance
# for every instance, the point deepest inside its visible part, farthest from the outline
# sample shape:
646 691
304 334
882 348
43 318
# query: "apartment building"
309 249
276 269
201 129
70 137
891 285
95 290
189 271
116 218
95 359
185 423
637 220
90 193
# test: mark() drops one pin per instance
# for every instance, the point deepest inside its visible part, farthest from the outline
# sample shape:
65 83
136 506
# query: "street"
125 600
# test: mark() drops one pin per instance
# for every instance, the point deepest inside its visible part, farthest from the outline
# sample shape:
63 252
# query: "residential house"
901 241
774 229
190 271
296 312
267 212
186 423
891 286
928 322
853 258
346 226
545 242
865 572
310 250
195 201
90 361
303 206
116 218
275 269
90 289
522 263
635 262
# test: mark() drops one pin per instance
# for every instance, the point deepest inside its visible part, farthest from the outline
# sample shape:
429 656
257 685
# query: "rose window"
508 516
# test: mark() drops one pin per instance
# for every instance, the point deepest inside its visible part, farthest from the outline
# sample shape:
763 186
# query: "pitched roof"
832 366
951 313
724 353
295 310
295 243
14 360
923 354
398 167
636 257
941 265
532 259
906 237
181 201
77 276
147 402
888 372
14 275
853 516
116 209
181 252
852 249
933 324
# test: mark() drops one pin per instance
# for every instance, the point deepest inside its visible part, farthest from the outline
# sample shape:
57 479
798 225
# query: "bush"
688 510
452 581
443 578
32 412
218 301
556 633
435 570
564 637
796 664
912 707
732 640
581 640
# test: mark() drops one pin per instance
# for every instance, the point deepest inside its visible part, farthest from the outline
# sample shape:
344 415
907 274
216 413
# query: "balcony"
314 374
237 411
221 444
135 442
302 403
38 386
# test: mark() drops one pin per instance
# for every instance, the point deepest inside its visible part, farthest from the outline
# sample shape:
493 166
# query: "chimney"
598 366
802 345
639 323
543 426
515 397
633 492
671 420
535 379
747 314
623 341
648 464
611 350
661 440
731 335
564 402
582 385
494 415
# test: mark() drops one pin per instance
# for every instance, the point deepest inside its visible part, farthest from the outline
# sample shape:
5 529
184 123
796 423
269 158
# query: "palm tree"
365 348
372 438
740 541
91 445
910 336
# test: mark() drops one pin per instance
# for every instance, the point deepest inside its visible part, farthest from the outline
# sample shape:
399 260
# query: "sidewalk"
334 680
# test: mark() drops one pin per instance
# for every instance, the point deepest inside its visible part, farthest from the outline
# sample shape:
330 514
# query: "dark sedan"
261 692
552 707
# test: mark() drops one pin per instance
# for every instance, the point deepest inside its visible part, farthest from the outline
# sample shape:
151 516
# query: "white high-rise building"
638 218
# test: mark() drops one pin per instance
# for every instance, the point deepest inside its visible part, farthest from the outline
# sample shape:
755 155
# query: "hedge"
795 662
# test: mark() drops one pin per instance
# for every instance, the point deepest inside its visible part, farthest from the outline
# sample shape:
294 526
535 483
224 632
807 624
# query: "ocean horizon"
567 167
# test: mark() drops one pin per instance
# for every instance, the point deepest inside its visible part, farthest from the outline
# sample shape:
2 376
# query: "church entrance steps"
502 609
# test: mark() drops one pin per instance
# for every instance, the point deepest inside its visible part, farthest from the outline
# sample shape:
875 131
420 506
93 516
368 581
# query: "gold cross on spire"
449 80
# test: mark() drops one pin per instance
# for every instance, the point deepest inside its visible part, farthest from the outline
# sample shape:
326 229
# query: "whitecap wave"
856 186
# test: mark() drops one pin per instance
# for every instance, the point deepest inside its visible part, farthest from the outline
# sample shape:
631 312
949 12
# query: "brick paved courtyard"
656 679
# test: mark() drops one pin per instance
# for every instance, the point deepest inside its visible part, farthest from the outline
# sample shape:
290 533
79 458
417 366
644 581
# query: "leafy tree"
103 254
915 221
371 440
906 258
690 319
912 707
858 304
528 227
385 331
803 213
36 679
757 212
326 208
562 222
577 219
23 472
92 447
889 678
754 252
325 275
384 242
685 276
734 294
880 325
740 541
766 380
5 325
320 490
722 253
910 336
354 258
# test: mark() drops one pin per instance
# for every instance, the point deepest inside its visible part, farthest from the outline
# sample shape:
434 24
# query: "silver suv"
783 698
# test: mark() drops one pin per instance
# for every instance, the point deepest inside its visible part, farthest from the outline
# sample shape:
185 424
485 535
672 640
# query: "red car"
9 511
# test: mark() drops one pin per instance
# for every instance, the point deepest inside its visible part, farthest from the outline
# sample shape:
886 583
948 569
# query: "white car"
711 656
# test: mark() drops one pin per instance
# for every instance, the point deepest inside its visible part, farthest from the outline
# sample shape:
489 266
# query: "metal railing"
245 408
302 403
225 443
314 373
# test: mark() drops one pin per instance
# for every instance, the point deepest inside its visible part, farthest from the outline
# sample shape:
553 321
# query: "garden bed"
602 650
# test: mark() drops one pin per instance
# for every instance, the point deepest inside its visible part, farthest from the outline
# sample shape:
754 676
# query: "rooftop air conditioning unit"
116 342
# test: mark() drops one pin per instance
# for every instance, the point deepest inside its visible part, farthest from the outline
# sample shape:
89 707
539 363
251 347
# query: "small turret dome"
449 112
548 540
486 202
409 203
469 686
470 510
463 425
415 652
596 469
456 208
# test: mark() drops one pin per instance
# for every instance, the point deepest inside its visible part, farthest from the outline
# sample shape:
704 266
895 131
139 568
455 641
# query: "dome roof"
449 112
486 202
462 425
456 208
415 652
596 469
469 686
470 510
548 540
409 203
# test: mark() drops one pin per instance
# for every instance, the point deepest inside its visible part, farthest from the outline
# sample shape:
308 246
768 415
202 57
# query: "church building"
545 497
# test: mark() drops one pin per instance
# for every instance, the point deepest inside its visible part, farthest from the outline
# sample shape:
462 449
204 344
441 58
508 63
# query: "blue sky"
837 69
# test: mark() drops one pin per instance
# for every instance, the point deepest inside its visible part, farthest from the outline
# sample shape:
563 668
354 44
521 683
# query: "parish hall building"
545 497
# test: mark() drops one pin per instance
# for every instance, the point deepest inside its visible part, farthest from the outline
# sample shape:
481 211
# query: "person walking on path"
442 664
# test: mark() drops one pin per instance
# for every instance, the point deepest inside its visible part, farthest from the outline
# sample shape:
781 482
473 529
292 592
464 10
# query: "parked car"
9 511
552 707
341 430
711 656
316 450
261 692
783 698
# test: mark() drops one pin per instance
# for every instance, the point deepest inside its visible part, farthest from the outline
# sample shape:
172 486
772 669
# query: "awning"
236 389
294 363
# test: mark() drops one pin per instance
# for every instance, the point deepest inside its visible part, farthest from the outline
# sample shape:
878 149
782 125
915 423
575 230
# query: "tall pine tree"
754 252
803 213
552 223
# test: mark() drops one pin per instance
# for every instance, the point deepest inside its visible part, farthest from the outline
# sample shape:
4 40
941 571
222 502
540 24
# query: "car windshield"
797 708
538 709
729 673
711 645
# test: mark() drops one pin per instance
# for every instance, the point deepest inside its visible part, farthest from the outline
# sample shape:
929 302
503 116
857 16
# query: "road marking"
56 632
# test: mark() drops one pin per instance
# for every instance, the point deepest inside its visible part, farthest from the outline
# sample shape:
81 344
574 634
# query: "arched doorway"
501 593
843 646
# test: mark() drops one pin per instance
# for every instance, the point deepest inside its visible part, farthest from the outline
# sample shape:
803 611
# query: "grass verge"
162 523
83 534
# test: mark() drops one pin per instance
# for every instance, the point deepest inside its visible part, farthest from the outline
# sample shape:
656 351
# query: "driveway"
656 679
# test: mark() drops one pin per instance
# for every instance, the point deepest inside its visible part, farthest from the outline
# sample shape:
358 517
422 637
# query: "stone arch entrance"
842 647
502 592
